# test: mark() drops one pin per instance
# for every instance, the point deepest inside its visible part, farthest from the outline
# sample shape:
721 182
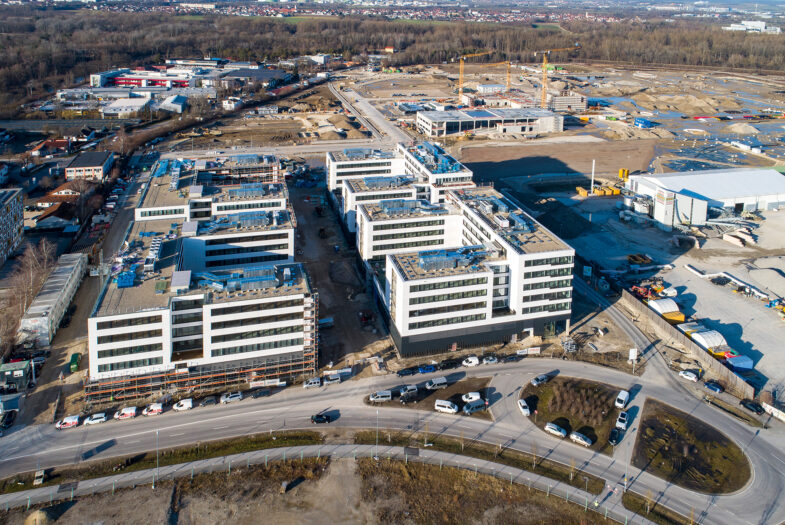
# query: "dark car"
448 364
8 419
261 392
209 400
514 358
714 387
426 369
615 437
320 418
406 372
752 406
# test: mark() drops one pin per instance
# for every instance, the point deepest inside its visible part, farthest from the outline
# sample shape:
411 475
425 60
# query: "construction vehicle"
624 174
460 70
545 54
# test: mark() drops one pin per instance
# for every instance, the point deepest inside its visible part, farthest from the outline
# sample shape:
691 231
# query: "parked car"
471 396
714 387
39 360
153 409
183 404
407 392
752 406
556 430
524 407
474 406
622 399
231 396
8 419
437 383
472 360
95 419
513 358
209 400
320 418
539 380
448 364
614 438
406 372
580 439
67 422
622 420
490 360
426 369
689 376
313 382
380 396
260 392
125 413
447 407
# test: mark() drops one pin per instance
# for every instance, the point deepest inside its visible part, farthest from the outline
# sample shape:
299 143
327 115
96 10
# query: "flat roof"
443 263
355 154
400 209
8 194
373 184
485 114
54 286
723 184
90 159
515 226
433 158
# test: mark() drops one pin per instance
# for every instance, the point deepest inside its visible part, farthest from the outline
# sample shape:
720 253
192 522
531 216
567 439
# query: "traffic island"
576 405
687 452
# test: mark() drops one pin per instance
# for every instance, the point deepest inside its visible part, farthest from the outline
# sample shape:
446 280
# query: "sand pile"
557 85
742 128
687 104
633 133
330 135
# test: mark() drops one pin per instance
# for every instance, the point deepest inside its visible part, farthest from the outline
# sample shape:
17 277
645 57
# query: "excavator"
545 54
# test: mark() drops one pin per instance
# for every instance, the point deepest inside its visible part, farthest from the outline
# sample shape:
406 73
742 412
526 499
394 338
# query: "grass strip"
650 510
525 461
172 456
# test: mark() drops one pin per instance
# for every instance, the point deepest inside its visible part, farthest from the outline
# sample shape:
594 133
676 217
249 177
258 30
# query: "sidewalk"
611 508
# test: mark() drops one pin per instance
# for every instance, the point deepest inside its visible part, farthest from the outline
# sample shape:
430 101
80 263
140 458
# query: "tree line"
45 49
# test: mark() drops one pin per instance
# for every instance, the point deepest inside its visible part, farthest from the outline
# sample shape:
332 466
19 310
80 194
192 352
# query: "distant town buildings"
754 26
92 165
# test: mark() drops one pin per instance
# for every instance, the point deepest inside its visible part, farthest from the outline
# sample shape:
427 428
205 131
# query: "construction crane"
545 54
505 63
460 71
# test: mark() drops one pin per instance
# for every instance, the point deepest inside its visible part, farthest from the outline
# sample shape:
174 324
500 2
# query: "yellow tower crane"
460 71
545 54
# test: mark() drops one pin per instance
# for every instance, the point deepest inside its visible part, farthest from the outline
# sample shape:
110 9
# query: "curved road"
42 446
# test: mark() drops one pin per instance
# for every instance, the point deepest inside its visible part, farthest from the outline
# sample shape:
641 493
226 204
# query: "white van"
381 396
436 383
334 378
556 430
622 399
125 413
183 404
580 439
474 406
448 407
153 409
313 382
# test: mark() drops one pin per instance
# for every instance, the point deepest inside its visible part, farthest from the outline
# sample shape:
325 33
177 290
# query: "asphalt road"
26 449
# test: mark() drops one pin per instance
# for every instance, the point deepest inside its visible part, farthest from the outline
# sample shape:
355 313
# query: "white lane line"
175 435
219 428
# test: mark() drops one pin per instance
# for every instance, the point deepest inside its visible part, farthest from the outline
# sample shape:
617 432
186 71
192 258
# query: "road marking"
219 428
175 435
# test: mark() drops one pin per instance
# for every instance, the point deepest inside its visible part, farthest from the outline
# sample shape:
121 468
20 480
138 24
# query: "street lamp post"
376 454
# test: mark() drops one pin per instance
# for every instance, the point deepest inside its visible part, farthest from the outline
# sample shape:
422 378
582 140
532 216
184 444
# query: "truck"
74 363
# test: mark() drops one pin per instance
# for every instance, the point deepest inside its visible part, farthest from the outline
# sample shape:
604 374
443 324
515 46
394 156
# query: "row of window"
399 225
385 196
555 307
405 235
445 309
255 348
187 330
559 272
129 336
414 244
141 349
248 238
552 260
250 205
563 283
448 284
547 296
238 336
187 304
256 320
111 367
364 173
123 323
247 260
187 318
162 213
449 320
245 249
447 297
256 307
351 165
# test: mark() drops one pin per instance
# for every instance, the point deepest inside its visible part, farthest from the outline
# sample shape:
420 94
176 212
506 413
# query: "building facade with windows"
507 278
92 165
11 222
358 163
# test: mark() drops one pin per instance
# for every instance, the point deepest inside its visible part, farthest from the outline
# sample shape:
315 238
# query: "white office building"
358 163
429 164
400 226
529 121
508 278
371 190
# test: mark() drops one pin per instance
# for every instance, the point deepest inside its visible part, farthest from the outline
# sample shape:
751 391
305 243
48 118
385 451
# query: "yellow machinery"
624 174
460 71
545 54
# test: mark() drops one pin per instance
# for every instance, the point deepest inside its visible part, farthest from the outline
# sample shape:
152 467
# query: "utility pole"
157 464
376 454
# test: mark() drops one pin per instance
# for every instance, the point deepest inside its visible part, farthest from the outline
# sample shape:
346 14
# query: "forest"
44 49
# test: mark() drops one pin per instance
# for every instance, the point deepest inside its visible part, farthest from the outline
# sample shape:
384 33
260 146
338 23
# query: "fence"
733 384
69 491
